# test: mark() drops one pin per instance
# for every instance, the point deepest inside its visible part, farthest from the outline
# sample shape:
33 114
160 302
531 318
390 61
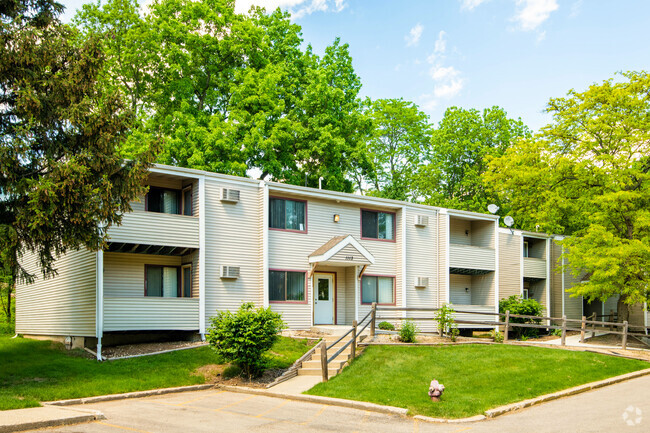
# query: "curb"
136 394
372 407
450 420
81 416
491 413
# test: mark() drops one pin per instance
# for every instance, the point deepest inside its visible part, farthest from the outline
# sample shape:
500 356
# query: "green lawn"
476 377
33 371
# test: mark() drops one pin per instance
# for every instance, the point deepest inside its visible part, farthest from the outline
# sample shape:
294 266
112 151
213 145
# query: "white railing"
153 228
150 314
470 257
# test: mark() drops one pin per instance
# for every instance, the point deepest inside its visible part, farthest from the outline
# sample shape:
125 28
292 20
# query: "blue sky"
476 53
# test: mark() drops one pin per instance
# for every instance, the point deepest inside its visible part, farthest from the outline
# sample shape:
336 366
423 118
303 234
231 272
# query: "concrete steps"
312 367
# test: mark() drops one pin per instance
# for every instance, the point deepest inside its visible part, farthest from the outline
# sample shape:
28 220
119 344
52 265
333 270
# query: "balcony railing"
152 228
534 268
150 314
470 257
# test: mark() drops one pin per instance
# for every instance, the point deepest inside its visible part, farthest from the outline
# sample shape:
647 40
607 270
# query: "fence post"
625 326
354 339
583 326
373 316
507 327
593 325
563 342
323 359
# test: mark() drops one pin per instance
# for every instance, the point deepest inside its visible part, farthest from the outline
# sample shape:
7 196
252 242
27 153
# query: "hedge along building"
201 242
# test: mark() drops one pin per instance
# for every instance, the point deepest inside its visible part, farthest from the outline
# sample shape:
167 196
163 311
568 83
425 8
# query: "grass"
34 371
476 377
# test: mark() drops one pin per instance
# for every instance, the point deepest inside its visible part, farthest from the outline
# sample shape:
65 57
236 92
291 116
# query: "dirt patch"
553 337
616 340
146 348
213 373
427 339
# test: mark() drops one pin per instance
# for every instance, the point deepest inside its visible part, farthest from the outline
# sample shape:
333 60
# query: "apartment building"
201 242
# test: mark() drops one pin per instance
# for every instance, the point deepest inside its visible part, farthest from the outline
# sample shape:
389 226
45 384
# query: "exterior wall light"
337 217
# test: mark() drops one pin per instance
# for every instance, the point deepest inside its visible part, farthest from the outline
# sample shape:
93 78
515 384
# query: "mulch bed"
147 348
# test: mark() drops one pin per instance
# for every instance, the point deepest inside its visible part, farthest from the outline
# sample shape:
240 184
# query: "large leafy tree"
458 156
400 136
62 181
588 175
234 93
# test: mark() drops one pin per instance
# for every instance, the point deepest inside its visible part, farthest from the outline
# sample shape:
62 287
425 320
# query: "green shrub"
386 326
243 337
445 319
453 334
496 336
525 307
556 332
408 331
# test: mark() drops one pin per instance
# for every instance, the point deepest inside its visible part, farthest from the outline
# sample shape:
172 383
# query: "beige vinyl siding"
160 181
349 251
232 239
150 314
124 273
473 317
509 265
290 250
572 305
62 305
457 286
350 277
478 233
457 231
611 304
471 257
153 228
536 248
422 246
538 289
534 268
443 265
556 280
483 289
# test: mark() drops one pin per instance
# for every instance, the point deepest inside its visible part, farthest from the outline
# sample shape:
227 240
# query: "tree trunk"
623 309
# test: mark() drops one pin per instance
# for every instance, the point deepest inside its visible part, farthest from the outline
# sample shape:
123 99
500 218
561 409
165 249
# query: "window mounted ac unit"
230 272
421 282
229 195
421 220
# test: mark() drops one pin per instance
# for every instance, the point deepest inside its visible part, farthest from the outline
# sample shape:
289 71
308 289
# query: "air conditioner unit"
230 272
421 220
421 282
229 195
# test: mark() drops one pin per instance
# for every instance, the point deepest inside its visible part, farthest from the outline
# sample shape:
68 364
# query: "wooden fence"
530 322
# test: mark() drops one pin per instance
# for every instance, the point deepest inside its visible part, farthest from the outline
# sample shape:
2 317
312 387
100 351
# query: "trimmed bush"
386 326
243 337
525 307
408 331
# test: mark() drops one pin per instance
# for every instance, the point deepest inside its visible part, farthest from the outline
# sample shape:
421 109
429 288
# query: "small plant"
453 334
445 319
496 336
524 337
386 326
556 332
243 337
408 331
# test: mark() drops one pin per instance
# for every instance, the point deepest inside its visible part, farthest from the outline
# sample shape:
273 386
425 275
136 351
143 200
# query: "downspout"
202 261
563 287
496 267
265 243
99 302
521 266
548 279
404 282
438 259
357 297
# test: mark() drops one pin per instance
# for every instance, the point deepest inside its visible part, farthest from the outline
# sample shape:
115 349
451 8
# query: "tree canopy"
588 175
61 178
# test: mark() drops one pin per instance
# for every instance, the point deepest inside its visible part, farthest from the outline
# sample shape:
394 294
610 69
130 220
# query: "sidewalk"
46 416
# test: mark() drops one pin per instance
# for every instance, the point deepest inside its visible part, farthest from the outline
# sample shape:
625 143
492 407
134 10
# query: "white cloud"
441 43
470 5
575 9
531 13
427 101
448 89
443 73
414 35
447 80
541 36
297 8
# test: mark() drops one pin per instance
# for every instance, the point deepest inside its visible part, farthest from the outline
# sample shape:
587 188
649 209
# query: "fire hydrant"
435 390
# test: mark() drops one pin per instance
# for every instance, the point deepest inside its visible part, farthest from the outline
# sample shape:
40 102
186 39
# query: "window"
288 214
170 201
162 281
377 289
525 249
186 281
377 225
286 286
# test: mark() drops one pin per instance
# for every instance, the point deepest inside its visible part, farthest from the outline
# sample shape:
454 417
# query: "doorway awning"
342 251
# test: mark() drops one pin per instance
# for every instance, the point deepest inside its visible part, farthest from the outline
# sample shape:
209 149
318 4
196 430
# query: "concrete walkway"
47 416
574 341
621 407
296 385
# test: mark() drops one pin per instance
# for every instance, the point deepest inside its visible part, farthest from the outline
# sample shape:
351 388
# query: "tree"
62 182
460 148
400 135
234 93
588 175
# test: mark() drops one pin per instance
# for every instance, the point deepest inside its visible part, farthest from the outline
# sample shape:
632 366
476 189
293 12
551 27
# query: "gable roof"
329 250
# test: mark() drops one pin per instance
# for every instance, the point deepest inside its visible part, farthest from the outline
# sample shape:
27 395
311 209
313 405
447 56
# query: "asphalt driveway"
601 410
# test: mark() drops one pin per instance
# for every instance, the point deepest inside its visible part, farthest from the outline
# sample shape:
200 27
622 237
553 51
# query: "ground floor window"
287 286
377 289
168 281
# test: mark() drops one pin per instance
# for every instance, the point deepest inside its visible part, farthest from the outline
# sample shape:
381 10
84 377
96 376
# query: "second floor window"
288 214
170 201
377 225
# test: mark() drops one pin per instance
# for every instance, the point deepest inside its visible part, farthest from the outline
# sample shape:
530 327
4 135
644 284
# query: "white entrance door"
324 299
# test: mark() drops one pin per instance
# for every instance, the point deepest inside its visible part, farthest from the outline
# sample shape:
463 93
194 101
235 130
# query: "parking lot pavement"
621 407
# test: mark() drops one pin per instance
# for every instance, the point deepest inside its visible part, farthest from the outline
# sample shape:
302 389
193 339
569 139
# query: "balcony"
471 258
467 315
159 229
534 268
150 314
